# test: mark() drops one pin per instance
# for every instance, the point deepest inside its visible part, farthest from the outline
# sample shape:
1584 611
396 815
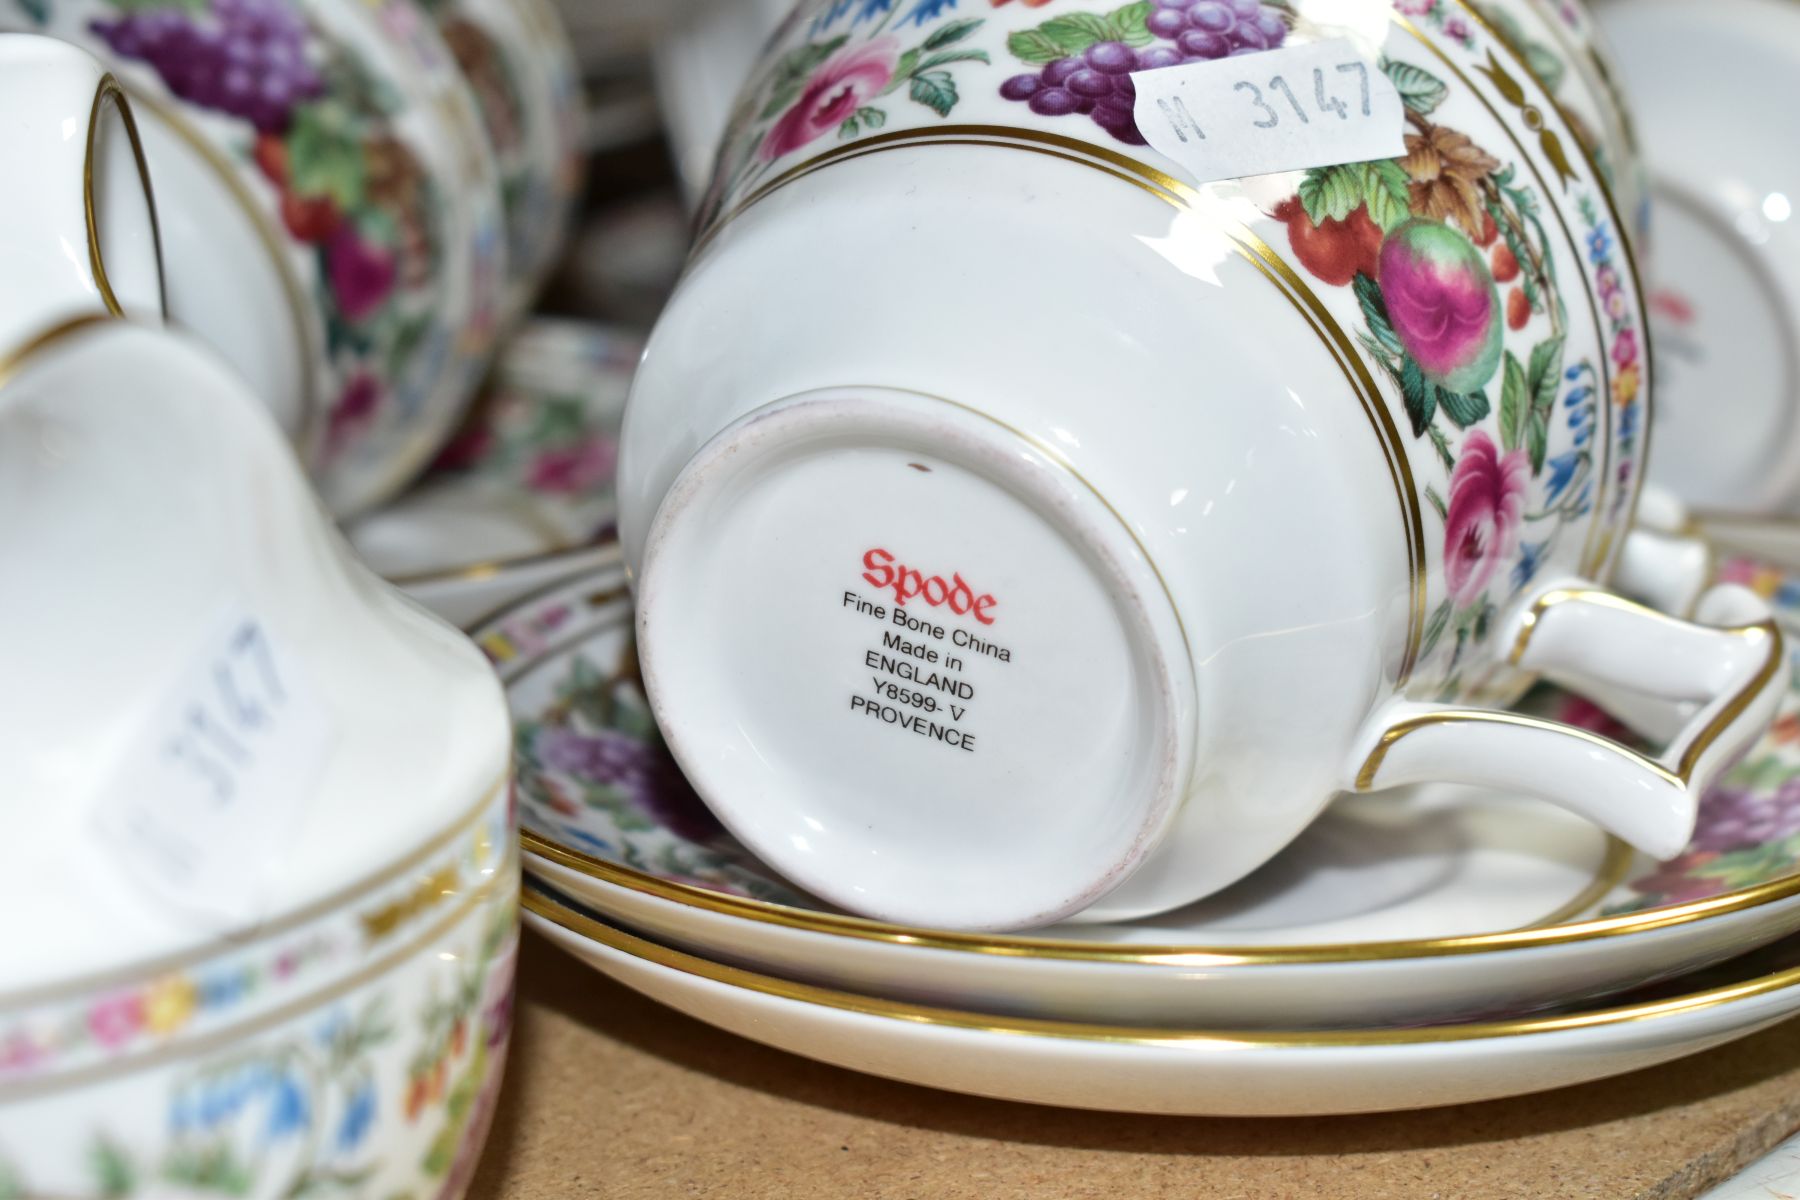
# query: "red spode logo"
908 584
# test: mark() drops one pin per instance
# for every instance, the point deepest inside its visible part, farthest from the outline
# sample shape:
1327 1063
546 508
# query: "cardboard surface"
610 1094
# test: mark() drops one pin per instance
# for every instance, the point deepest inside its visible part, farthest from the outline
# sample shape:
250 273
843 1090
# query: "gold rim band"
500 886
110 93
13 360
582 925
151 968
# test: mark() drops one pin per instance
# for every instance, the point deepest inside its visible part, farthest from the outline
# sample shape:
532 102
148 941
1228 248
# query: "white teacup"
1010 513
81 228
330 209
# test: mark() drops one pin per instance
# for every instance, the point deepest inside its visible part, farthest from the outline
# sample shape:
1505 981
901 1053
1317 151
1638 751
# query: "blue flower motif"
928 10
359 1117
1576 396
1628 419
589 840
289 1111
1600 244
1531 558
839 8
1562 471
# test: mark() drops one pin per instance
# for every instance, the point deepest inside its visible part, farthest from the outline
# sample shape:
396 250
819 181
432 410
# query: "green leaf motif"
1375 315
953 56
935 90
1033 46
1419 89
909 62
954 31
112 1170
1071 33
1420 396
37 10
1514 402
1546 370
1464 408
1128 24
872 118
325 156
1437 622
793 72
849 129
1331 193
1537 440
1387 193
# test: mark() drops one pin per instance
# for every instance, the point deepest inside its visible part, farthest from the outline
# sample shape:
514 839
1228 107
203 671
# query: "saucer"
1188 1069
1413 905
524 494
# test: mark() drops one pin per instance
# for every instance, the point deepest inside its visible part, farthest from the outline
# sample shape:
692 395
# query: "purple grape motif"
1097 81
642 772
247 57
1733 818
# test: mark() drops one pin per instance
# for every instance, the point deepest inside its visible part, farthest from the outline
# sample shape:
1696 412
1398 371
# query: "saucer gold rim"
838 925
1550 931
548 908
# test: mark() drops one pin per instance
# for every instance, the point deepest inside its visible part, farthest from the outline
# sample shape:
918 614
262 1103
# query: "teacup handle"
81 237
1728 662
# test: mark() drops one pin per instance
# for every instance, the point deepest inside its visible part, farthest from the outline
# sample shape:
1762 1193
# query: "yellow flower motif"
1625 386
169 1003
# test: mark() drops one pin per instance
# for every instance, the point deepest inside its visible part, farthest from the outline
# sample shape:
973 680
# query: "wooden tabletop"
610 1094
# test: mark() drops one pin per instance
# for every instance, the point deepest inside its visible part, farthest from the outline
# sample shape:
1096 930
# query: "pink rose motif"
1625 347
1485 511
361 274
466 449
1607 280
837 89
573 468
114 1021
1456 29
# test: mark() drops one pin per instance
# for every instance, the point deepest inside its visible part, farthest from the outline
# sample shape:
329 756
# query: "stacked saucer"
1444 943
523 496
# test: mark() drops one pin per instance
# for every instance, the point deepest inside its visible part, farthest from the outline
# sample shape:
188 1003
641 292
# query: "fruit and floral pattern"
857 61
157 1009
386 1091
547 425
1456 277
1480 273
1084 61
517 66
320 127
592 772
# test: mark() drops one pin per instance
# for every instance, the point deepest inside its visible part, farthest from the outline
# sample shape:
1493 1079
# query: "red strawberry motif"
1518 309
1506 267
1334 251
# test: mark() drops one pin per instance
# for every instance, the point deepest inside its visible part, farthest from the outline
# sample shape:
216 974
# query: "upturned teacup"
1022 530
331 212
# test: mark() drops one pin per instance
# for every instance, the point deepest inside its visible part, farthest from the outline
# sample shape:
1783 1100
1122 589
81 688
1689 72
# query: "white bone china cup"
1021 532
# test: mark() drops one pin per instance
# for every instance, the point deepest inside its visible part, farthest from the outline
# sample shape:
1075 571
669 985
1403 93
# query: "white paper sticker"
206 794
1315 105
